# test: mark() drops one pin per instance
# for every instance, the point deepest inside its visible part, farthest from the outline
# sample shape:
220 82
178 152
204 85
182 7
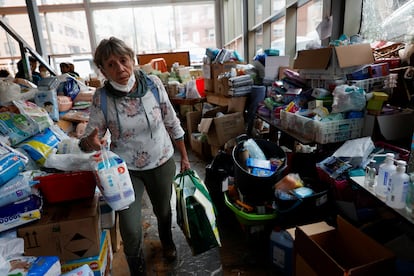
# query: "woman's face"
118 68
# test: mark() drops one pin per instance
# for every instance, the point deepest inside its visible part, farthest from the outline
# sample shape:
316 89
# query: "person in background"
143 133
64 67
33 65
4 73
36 77
68 68
44 73
20 70
72 70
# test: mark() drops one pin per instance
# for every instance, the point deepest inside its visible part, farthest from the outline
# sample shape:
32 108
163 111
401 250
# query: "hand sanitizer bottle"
384 171
370 174
399 186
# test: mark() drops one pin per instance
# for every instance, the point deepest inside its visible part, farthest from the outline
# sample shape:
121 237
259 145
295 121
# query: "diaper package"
113 179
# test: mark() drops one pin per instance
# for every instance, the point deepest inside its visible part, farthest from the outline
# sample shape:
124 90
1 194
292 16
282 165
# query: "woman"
142 128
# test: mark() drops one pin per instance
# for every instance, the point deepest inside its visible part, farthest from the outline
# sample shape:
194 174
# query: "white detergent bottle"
384 171
398 186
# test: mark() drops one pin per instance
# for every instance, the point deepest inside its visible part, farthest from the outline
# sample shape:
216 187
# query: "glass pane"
258 8
12 3
388 20
109 0
278 35
68 33
160 29
54 2
259 40
309 16
278 5
9 47
237 45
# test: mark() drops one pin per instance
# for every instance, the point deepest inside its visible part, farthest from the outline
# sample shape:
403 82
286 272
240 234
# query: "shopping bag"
196 214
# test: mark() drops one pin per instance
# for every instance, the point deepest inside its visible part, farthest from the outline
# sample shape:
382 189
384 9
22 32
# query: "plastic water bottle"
409 207
384 171
370 174
396 198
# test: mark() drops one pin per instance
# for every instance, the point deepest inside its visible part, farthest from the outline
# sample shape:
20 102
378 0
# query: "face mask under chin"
124 87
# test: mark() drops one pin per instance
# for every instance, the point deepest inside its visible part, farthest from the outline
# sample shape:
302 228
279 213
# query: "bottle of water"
396 198
370 174
384 171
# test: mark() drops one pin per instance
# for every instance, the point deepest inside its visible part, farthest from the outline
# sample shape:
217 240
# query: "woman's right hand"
91 142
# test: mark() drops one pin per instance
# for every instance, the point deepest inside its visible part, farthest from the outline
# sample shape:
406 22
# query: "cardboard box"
333 61
344 250
199 146
217 69
391 127
234 103
193 118
221 129
208 85
100 264
223 86
281 245
69 230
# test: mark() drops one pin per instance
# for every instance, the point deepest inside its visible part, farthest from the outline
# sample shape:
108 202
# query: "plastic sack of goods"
113 179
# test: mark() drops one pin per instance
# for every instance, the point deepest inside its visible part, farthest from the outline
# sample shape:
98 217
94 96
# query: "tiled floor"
238 255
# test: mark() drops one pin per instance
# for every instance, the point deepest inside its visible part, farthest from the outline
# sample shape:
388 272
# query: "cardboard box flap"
320 259
205 124
344 250
213 112
354 55
193 119
313 59
70 211
312 229
353 238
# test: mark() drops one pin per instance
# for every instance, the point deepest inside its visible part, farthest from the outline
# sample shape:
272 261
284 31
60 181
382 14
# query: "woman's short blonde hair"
111 46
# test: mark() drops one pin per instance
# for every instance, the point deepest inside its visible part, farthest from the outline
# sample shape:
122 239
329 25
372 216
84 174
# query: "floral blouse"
141 128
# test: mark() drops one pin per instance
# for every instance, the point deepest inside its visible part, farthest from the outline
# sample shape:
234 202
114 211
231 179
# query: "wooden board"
183 58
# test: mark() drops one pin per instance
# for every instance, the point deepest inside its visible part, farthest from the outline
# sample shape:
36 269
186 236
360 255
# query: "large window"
388 20
147 28
309 16
278 35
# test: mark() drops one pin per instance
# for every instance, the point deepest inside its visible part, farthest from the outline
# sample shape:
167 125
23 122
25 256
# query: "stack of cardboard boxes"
208 131
72 231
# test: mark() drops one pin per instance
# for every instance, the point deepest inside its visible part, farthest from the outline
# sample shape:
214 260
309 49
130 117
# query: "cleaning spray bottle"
396 198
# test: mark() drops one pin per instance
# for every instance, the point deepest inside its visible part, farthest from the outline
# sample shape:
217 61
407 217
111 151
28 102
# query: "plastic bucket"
258 190
200 87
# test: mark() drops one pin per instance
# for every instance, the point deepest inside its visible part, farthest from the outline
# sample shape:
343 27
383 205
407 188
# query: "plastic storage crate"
338 131
322 132
249 218
369 84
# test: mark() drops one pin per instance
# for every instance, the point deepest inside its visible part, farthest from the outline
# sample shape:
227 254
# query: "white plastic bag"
113 179
348 98
191 90
9 92
69 161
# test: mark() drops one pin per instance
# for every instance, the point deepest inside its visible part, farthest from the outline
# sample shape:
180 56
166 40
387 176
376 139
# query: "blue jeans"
158 184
